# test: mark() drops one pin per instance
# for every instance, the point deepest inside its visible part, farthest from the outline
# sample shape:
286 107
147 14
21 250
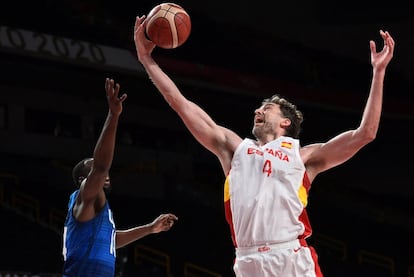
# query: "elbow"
369 139
366 135
369 135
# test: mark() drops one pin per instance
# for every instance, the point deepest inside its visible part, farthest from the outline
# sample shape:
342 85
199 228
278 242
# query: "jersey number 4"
267 168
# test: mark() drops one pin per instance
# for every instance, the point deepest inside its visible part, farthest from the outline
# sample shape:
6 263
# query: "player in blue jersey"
90 238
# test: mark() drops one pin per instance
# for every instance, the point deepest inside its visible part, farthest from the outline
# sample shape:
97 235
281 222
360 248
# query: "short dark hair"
81 170
290 111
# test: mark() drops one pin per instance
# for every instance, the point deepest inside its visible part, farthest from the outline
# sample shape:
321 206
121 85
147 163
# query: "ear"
285 123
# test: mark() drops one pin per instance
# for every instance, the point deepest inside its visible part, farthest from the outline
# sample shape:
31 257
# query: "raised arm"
320 157
221 141
91 193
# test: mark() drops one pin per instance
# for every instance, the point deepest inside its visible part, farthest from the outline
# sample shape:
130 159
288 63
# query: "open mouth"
258 120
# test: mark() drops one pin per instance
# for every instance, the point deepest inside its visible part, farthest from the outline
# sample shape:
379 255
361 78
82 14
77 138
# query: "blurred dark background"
55 56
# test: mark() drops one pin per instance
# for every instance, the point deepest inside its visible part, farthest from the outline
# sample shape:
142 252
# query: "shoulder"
307 150
307 154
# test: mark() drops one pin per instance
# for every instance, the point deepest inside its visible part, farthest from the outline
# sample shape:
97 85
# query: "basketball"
168 25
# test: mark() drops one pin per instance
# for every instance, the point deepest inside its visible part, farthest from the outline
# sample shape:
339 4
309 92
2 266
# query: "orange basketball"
168 25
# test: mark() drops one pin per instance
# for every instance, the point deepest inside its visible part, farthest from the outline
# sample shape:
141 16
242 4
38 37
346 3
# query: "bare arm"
321 157
162 223
92 196
219 140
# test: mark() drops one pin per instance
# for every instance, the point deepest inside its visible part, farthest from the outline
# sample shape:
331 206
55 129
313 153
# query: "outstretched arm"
320 157
91 190
164 222
217 139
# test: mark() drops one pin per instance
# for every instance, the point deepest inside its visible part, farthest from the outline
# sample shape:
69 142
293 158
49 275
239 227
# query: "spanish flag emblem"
286 144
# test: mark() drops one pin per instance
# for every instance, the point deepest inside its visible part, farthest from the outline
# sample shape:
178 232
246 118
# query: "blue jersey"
89 247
